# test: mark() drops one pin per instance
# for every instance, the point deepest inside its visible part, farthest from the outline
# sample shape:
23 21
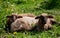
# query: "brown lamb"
14 16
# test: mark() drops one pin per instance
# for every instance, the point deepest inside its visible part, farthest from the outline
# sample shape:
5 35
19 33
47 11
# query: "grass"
8 7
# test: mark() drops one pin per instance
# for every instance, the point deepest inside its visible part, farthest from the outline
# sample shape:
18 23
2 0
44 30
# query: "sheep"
45 21
14 16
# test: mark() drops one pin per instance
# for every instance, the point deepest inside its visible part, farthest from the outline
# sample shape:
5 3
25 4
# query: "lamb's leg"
55 22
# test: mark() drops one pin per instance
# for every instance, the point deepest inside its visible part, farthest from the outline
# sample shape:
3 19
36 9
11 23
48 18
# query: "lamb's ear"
37 17
8 16
50 16
12 17
40 17
20 17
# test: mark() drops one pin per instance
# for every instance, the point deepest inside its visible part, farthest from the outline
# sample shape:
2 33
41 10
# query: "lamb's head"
13 17
44 19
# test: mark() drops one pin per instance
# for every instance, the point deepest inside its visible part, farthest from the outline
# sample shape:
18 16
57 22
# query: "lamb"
14 16
45 21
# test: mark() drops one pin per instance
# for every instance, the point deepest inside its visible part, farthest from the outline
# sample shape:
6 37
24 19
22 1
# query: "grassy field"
8 7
